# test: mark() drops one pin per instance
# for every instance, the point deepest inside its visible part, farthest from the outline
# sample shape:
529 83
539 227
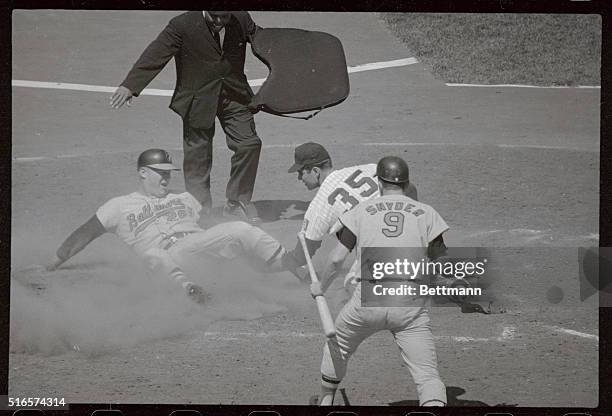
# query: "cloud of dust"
94 305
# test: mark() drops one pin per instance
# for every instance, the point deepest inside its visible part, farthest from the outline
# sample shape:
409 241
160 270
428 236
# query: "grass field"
504 48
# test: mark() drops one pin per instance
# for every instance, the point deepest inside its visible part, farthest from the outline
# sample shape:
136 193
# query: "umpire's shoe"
245 211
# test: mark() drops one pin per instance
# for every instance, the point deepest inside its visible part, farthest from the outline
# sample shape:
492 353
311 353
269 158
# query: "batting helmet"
392 169
156 159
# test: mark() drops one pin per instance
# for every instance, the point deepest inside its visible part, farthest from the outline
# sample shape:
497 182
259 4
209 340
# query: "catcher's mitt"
476 308
473 308
197 294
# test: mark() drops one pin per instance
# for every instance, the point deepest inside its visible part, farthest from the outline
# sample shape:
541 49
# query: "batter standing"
377 223
162 227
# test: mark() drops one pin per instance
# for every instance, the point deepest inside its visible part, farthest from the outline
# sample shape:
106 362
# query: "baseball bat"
324 314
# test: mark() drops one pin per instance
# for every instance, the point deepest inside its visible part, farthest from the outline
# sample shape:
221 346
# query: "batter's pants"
412 333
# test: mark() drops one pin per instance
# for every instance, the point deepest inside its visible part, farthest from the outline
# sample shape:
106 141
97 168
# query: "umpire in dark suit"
209 52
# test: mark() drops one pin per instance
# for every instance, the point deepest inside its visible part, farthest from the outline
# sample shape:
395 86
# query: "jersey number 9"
395 221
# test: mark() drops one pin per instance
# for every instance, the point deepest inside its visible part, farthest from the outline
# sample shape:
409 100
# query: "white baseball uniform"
163 230
388 221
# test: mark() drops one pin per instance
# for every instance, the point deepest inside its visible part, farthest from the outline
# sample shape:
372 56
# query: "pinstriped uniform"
340 191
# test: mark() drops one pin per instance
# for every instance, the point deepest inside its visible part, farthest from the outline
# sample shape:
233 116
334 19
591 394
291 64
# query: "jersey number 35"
354 183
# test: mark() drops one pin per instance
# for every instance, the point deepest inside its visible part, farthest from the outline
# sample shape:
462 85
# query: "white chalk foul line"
168 93
572 332
380 65
31 159
61 86
537 146
26 159
259 81
83 87
509 146
410 144
508 333
267 334
450 84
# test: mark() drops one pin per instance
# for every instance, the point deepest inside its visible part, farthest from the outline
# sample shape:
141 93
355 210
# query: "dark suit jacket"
202 70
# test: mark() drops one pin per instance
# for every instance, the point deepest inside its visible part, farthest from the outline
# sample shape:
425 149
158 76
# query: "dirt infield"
508 169
102 315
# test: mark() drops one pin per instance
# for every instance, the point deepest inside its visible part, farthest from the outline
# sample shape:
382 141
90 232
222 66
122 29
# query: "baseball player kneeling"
390 220
162 227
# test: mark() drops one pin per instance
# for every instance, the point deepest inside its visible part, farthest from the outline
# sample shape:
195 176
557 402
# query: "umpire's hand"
121 96
254 108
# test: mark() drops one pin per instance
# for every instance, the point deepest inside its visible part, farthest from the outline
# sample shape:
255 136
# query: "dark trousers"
241 138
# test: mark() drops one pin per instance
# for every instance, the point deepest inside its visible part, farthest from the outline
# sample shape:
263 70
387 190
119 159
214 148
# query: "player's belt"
171 240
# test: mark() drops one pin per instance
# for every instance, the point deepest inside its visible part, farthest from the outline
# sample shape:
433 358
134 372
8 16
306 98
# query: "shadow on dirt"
86 266
268 210
274 210
452 395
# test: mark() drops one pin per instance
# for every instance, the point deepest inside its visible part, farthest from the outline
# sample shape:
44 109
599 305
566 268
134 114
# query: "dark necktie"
217 39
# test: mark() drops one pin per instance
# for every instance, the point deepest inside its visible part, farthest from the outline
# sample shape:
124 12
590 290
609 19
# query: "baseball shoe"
314 400
245 211
197 294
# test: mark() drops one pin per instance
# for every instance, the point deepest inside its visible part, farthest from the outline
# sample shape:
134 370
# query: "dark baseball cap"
156 159
309 154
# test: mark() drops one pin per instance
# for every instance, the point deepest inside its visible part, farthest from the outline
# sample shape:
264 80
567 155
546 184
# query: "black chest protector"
307 71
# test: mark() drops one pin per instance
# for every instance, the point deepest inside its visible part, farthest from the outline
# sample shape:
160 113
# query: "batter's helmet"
392 169
156 159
